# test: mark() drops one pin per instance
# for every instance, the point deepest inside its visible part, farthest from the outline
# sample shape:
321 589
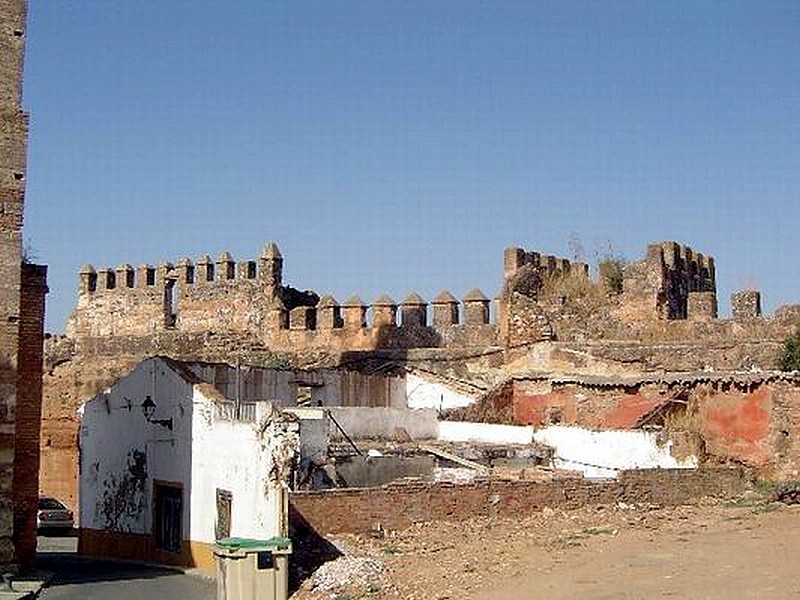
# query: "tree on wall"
789 359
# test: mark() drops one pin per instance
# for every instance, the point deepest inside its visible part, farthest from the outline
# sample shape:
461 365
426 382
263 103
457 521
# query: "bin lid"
237 543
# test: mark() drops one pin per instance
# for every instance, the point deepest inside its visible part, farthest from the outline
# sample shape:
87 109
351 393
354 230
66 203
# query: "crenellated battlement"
248 297
445 311
675 281
266 271
544 297
545 265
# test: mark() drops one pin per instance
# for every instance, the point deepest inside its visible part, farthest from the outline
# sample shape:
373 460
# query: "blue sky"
398 146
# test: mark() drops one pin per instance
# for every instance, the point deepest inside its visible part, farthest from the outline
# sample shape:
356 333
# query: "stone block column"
476 308
445 310
303 318
186 271
271 266
87 280
355 313
328 313
384 312
746 304
414 311
702 306
277 315
205 269
125 276
106 279
226 266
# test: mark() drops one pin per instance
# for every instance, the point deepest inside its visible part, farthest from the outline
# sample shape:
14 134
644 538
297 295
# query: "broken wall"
751 419
398 506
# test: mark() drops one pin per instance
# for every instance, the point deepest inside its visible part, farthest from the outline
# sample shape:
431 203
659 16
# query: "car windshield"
50 504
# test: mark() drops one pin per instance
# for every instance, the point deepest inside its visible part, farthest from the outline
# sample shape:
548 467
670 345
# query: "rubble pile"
346 571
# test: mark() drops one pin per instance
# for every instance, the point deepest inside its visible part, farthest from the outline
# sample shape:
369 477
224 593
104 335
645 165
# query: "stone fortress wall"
248 298
668 295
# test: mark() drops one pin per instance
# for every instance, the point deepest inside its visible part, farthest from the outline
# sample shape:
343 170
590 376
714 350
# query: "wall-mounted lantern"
149 409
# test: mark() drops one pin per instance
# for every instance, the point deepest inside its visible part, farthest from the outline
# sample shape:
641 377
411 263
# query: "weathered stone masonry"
22 290
13 143
248 299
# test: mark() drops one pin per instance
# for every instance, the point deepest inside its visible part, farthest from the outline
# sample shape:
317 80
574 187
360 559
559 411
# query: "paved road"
77 578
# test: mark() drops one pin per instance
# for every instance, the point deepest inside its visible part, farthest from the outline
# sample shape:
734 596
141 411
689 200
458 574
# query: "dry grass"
576 292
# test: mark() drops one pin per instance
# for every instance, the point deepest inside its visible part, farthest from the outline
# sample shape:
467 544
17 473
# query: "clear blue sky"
398 146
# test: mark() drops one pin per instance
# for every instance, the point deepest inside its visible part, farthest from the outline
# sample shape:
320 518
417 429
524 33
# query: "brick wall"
28 412
13 150
399 506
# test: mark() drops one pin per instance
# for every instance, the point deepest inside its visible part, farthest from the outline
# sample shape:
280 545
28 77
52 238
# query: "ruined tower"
12 190
22 290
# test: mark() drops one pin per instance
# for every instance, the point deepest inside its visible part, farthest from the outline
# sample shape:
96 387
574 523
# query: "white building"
167 466
178 454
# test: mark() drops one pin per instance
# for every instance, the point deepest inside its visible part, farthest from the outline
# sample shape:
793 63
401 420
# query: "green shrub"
611 274
789 359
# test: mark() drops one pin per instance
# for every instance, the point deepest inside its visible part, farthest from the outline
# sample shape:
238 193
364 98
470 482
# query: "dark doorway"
168 516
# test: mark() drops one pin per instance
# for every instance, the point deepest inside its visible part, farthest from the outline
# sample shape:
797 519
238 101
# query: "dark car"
53 516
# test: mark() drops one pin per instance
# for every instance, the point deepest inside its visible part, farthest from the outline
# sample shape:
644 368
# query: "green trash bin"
249 569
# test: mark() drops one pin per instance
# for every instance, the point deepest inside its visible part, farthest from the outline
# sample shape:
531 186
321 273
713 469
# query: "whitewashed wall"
386 423
460 431
424 393
605 453
231 456
201 453
115 437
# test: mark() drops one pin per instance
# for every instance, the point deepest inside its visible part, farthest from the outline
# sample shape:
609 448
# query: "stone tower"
14 142
22 290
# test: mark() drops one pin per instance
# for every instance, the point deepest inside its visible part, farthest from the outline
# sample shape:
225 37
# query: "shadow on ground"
70 569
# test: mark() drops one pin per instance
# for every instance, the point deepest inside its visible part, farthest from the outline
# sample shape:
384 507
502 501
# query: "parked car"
53 516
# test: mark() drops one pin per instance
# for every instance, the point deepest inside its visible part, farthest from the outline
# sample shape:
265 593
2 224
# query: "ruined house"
169 465
23 288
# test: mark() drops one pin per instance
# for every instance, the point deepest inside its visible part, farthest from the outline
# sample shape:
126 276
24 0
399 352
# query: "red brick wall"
28 412
399 506
13 156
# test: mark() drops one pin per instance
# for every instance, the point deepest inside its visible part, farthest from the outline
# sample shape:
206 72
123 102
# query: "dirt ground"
744 548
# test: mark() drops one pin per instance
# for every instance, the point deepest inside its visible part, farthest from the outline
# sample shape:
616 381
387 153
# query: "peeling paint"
124 494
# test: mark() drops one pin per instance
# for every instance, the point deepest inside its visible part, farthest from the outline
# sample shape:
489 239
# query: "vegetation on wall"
611 273
789 359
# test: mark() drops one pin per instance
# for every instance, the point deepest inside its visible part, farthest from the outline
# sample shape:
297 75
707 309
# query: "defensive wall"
248 298
668 297
551 316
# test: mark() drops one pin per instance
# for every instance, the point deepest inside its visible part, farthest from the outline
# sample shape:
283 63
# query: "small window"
150 276
190 274
210 272
92 282
303 395
251 269
222 528
111 280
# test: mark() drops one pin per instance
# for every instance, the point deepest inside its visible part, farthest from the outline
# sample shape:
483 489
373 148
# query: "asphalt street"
78 578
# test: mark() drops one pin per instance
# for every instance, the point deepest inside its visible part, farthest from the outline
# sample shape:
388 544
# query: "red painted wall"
738 425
